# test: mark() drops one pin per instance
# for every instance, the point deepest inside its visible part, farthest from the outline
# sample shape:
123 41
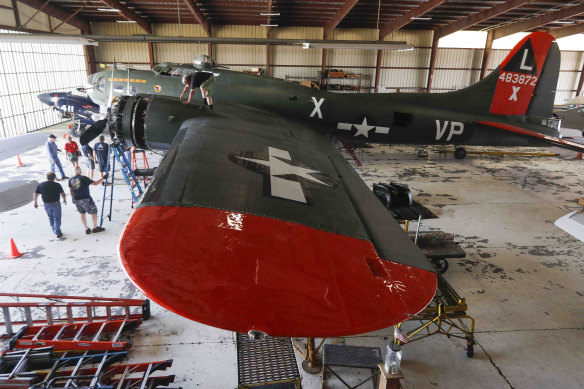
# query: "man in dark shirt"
203 80
89 160
50 192
79 188
100 150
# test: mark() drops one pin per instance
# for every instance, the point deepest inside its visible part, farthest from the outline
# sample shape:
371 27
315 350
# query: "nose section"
48 98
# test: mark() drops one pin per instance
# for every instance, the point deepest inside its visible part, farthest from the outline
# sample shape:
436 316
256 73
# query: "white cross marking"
316 110
514 95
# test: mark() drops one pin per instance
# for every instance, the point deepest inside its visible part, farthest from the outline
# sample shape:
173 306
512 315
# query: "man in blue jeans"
50 192
52 151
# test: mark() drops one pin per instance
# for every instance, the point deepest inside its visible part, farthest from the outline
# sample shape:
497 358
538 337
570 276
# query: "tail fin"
527 78
524 83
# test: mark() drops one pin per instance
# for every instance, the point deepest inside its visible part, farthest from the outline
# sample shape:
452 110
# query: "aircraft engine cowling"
148 122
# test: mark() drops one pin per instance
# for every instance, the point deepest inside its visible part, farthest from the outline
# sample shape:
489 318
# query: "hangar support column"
580 89
486 54
89 52
432 65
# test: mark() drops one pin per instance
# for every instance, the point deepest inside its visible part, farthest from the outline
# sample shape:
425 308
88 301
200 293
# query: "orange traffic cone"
19 162
64 136
579 156
14 253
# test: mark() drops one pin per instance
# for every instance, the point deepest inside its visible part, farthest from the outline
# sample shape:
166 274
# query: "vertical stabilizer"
527 78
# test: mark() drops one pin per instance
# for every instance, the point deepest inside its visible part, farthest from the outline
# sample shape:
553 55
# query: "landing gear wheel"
77 130
441 265
470 350
315 369
459 153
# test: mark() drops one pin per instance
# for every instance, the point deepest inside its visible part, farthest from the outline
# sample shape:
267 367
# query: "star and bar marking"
280 169
363 128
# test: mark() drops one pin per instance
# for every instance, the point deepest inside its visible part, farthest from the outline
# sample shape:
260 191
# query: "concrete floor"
522 277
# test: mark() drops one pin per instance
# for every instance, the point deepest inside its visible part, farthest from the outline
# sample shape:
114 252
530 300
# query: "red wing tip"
244 273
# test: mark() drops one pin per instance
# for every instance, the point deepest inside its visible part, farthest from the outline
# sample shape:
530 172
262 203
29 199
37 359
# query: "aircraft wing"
552 140
10 147
254 222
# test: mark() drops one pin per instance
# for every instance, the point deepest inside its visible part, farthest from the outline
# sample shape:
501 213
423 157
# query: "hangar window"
402 119
29 69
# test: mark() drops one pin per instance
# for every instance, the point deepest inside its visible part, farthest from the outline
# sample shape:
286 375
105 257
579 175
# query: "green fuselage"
425 119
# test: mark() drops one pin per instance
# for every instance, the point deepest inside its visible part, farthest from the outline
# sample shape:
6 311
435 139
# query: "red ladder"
58 309
97 335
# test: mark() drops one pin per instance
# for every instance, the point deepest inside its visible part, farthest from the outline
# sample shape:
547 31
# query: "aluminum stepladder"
116 152
42 369
38 309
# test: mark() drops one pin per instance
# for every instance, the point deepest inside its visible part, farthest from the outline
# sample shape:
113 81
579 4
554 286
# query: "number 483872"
516 78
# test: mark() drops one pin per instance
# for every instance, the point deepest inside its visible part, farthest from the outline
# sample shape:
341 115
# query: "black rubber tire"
583 133
459 153
77 130
470 351
441 265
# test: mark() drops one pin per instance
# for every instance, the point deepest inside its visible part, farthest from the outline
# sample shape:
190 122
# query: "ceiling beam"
339 16
479 17
567 31
199 16
58 13
538 21
403 20
128 14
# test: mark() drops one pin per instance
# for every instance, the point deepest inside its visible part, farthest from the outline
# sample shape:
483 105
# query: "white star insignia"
363 128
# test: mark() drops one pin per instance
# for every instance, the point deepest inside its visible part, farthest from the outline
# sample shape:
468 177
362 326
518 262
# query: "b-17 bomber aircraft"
254 222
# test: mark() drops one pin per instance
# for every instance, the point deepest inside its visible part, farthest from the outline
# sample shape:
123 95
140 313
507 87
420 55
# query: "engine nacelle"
148 122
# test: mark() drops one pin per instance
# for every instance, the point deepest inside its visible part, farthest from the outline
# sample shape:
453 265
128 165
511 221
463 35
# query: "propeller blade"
95 130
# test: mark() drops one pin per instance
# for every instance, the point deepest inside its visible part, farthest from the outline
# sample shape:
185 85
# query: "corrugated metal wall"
400 71
40 21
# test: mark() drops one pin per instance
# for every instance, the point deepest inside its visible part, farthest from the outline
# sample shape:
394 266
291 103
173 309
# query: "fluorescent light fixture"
108 10
43 38
358 46
564 22
125 21
422 18
269 25
270 13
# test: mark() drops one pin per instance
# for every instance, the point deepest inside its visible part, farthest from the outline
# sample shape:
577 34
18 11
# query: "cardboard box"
581 202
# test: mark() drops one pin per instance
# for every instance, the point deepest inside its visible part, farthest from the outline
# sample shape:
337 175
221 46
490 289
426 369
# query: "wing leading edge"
257 223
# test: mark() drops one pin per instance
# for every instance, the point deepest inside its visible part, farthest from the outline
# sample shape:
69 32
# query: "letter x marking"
316 110
514 95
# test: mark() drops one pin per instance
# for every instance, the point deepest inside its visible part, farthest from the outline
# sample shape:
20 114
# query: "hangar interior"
507 306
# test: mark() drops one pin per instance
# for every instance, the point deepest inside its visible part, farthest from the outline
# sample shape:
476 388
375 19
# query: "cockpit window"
100 83
167 70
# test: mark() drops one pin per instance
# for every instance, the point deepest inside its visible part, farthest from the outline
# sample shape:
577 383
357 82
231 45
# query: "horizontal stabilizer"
573 224
552 140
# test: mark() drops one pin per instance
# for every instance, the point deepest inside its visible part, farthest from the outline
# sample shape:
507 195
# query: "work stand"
269 363
312 362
